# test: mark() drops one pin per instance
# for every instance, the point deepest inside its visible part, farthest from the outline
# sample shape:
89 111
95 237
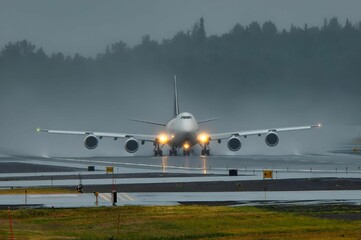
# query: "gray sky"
87 26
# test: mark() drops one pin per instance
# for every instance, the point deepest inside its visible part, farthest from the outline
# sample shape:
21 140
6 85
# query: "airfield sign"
267 174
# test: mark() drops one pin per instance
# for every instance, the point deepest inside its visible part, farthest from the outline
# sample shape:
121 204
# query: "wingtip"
40 130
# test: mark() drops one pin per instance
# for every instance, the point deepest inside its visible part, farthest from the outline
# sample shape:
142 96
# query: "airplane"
181 133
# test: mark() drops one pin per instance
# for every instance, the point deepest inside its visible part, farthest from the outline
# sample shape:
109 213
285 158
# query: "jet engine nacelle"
234 144
131 145
272 139
91 142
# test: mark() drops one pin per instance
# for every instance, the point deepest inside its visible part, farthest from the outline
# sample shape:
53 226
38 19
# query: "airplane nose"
189 127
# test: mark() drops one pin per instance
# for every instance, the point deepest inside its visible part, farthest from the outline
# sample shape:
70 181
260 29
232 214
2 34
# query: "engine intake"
234 144
91 142
272 139
131 145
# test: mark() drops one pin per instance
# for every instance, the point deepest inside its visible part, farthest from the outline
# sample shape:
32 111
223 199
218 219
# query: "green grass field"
178 222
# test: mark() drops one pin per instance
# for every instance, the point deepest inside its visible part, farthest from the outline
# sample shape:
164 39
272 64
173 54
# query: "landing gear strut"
186 152
157 149
205 149
205 152
173 151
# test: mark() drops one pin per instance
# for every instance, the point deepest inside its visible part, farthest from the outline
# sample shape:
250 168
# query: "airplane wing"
259 132
149 138
209 120
148 122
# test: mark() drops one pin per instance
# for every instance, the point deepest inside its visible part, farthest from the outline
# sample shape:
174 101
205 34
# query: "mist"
255 76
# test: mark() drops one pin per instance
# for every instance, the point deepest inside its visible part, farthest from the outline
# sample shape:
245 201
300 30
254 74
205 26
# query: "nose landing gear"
186 152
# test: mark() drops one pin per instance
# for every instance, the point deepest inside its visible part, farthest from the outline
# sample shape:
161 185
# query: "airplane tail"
176 105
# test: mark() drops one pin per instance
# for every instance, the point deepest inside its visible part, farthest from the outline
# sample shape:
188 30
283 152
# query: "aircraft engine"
234 144
272 139
131 145
91 142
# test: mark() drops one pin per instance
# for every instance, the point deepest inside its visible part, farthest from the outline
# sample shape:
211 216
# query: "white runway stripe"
124 197
127 196
105 196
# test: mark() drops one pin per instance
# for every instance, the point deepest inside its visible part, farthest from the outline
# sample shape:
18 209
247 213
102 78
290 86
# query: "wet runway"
211 164
49 172
186 198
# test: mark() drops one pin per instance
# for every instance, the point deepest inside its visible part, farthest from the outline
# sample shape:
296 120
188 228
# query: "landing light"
319 125
186 146
163 138
203 138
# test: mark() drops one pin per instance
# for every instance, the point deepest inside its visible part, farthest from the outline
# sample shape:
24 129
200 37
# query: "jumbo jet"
181 133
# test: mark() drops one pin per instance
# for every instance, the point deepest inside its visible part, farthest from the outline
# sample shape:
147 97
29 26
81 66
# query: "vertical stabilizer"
176 105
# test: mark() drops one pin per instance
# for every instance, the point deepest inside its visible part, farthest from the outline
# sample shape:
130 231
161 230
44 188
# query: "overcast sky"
87 26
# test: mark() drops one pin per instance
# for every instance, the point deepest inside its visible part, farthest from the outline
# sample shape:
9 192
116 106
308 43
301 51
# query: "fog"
255 75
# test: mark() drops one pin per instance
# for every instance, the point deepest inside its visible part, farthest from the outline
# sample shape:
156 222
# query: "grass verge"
173 222
36 191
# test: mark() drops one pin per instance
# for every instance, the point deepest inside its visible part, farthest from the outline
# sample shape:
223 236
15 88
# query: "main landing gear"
205 152
158 149
205 149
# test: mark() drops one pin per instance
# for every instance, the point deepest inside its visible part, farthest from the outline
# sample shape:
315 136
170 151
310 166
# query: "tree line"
309 57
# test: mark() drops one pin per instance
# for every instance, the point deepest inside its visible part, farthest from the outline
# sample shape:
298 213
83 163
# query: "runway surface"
185 198
175 180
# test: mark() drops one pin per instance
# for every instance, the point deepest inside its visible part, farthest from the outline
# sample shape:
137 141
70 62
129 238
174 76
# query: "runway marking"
105 196
122 197
125 197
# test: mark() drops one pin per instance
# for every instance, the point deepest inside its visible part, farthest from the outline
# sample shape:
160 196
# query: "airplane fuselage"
182 129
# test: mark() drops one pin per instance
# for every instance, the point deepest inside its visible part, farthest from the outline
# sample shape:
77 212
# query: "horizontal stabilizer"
148 122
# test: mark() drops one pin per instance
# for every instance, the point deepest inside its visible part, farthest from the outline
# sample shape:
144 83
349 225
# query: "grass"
173 222
36 191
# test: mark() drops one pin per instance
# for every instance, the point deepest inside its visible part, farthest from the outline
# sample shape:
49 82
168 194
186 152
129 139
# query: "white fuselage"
182 129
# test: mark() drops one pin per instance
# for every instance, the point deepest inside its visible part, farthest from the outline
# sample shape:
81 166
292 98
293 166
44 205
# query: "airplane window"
186 117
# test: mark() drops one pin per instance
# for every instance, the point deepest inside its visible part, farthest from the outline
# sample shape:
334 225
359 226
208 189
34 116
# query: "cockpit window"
186 117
